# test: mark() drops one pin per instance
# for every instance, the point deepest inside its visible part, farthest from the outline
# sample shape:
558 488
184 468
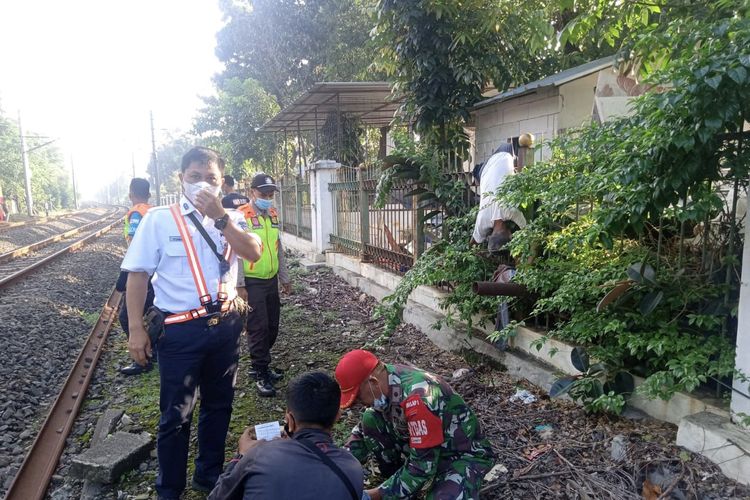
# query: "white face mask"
192 189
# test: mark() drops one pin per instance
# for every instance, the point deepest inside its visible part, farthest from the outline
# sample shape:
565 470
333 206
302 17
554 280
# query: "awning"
370 102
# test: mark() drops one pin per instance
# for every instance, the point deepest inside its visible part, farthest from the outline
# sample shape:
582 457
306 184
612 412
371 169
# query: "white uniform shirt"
157 249
494 172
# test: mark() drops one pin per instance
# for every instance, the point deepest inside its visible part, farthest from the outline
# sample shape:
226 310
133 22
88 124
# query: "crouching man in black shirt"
306 464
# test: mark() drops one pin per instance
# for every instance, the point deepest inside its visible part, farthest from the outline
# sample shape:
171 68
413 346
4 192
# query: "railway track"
14 265
33 477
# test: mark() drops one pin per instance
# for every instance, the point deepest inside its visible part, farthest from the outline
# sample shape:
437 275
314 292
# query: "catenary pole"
153 157
75 189
26 170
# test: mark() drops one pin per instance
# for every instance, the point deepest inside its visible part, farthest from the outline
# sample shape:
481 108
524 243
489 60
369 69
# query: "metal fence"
391 236
294 206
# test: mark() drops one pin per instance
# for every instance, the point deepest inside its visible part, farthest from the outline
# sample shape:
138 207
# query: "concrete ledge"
106 461
718 439
537 366
303 246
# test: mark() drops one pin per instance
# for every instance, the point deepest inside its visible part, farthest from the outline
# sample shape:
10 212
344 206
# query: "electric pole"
26 170
132 159
153 160
75 193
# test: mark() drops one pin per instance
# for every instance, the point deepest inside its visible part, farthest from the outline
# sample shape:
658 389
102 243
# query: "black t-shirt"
234 200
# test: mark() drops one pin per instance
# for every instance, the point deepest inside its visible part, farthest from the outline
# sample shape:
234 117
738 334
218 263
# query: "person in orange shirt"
139 195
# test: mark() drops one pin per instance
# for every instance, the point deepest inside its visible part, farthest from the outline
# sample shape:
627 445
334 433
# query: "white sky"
89 71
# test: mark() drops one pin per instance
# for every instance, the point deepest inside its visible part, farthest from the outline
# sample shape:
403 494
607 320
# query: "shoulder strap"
331 465
195 267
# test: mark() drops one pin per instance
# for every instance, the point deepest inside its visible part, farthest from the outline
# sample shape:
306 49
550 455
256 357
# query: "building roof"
555 80
371 102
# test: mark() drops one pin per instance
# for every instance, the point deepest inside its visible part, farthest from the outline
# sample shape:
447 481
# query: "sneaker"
136 369
274 374
265 387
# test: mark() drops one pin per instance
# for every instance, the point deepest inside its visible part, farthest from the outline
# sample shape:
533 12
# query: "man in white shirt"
191 250
492 217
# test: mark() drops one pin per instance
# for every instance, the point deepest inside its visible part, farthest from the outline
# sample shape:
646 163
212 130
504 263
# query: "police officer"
293 469
262 280
139 194
418 430
232 199
191 250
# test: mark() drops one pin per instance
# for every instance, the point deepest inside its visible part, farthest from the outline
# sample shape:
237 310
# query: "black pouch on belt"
154 321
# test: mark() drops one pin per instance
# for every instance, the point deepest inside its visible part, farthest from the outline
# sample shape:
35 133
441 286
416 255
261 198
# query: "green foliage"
287 45
600 386
50 180
604 251
442 53
423 167
229 120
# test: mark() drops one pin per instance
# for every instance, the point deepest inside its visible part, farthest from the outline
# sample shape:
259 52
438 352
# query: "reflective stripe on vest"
197 272
267 228
141 208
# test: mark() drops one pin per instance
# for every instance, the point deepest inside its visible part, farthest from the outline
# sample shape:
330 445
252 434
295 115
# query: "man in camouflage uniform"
422 434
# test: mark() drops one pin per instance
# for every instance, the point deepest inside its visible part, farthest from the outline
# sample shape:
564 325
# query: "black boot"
136 369
274 374
264 385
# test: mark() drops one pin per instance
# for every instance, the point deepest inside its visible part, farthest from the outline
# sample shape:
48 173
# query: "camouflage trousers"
458 477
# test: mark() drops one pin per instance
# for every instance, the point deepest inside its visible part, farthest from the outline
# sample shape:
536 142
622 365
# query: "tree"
443 54
230 120
287 45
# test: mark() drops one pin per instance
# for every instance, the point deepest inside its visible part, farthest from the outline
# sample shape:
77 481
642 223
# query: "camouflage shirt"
435 426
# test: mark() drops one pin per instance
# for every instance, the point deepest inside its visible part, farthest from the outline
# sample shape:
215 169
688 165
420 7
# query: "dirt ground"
545 448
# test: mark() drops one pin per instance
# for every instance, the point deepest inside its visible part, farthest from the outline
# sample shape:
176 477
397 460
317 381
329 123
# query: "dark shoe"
265 387
198 485
275 375
136 369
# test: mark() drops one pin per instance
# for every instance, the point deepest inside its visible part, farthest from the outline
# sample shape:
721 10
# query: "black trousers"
124 309
263 320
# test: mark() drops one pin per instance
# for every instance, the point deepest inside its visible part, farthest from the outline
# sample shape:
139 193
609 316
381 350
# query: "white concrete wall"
740 403
524 361
577 102
536 113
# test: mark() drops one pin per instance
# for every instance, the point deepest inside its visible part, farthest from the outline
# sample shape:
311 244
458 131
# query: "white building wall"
577 101
535 113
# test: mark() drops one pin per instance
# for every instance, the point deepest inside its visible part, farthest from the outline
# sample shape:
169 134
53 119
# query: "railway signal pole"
75 192
153 160
26 170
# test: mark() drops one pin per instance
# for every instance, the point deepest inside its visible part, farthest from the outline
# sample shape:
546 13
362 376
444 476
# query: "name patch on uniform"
175 238
425 429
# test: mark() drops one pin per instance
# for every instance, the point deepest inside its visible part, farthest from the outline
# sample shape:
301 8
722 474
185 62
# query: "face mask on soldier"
378 404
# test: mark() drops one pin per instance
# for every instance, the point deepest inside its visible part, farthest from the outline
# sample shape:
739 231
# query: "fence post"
364 215
418 229
281 203
297 204
321 204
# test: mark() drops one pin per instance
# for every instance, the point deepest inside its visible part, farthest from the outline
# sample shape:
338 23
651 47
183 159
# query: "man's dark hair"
313 398
140 188
229 180
202 156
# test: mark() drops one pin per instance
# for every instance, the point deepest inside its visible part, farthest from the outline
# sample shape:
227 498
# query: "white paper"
268 431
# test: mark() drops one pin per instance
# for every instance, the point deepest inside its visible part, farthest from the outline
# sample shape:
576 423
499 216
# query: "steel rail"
72 247
21 251
34 222
33 477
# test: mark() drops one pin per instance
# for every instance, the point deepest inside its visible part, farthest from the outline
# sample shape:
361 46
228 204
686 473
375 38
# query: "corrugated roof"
371 102
555 80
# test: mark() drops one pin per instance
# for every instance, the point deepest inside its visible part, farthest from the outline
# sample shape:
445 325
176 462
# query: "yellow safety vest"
268 229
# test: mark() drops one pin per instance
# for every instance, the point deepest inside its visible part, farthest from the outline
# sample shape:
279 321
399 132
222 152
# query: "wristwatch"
221 222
